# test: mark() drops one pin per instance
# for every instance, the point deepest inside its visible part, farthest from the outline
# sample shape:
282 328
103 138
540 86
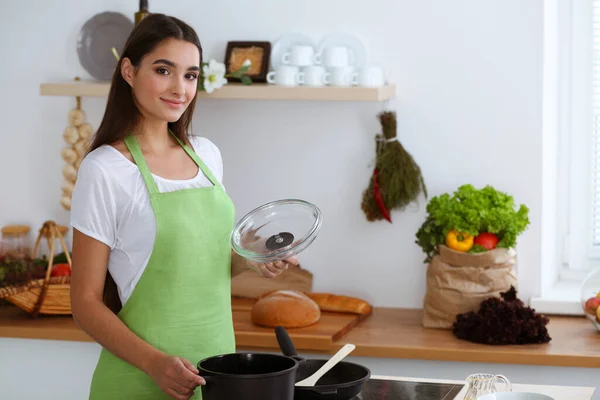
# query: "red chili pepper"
378 198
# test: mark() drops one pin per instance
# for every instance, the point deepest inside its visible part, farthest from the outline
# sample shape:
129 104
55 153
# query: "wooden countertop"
387 333
398 333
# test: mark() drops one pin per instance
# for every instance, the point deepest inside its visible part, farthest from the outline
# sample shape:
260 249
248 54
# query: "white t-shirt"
110 203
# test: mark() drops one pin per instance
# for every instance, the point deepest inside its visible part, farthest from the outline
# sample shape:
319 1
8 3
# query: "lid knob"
279 240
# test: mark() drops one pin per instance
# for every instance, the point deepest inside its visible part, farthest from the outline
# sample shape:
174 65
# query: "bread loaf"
287 308
340 303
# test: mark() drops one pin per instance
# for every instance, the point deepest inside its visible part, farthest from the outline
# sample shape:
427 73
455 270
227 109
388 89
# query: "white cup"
334 56
369 77
299 55
341 76
286 75
515 396
316 75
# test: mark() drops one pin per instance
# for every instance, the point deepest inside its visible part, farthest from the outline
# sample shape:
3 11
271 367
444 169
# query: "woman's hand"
271 270
175 376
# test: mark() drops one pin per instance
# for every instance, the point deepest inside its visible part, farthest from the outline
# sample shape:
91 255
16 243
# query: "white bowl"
515 396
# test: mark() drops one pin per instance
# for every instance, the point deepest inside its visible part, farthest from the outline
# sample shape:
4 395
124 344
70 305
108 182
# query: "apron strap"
136 152
198 162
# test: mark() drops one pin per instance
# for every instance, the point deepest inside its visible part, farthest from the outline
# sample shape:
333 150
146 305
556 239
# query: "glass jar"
590 297
482 384
16 241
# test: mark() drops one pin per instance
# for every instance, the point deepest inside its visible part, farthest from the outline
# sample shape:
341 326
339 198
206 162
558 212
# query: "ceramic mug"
286 75
334 56
369 77
316 75
299 55
341 76
515 396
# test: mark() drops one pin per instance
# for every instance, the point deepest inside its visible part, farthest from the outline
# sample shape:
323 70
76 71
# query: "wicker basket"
51 295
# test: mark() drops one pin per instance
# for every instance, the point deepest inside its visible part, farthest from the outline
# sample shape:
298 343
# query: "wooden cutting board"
320 336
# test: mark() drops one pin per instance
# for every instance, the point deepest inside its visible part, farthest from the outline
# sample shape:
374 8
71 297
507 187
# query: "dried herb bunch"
396 179
502 321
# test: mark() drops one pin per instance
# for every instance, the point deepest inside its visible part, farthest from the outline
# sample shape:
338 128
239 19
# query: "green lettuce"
472 211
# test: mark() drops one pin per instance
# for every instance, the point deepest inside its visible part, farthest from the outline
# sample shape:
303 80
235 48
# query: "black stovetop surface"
379 389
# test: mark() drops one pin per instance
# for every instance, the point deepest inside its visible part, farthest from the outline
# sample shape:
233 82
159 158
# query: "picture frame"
259 54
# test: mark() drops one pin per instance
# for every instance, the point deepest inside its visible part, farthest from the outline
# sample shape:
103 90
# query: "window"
579 137
571 152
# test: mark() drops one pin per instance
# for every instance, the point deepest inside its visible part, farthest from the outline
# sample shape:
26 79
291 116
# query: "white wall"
469 103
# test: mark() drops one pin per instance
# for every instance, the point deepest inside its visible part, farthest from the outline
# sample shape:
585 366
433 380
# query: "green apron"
182 302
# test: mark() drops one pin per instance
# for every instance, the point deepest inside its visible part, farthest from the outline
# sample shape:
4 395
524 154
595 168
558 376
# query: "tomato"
487 240
61 270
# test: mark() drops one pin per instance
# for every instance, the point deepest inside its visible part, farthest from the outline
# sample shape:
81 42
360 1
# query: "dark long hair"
122 115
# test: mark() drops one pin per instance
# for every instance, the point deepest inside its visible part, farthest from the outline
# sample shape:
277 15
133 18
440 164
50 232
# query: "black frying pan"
343 382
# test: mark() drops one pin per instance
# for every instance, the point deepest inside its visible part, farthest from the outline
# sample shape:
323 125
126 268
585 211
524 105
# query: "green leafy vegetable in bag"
472 211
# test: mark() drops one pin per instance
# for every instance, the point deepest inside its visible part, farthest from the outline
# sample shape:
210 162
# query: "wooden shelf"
235 91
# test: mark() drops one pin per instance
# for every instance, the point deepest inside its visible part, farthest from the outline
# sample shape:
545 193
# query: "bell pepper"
459 241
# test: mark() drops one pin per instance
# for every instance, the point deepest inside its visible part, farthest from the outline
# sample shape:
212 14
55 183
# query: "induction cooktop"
382 389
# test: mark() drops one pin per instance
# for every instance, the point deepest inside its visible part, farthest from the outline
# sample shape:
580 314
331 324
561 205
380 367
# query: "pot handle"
285 342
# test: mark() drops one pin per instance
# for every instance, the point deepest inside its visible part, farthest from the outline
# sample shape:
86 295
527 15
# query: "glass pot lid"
276 230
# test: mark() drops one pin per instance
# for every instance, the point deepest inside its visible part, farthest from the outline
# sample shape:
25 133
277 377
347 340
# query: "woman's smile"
174 103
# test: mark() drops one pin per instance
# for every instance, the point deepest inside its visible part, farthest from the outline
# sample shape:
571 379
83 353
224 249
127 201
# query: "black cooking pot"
343 382
248 376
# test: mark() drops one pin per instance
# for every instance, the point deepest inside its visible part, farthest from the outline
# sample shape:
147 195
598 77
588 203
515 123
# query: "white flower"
247 63
214 76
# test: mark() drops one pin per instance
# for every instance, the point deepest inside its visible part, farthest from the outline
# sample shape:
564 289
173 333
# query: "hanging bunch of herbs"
396 179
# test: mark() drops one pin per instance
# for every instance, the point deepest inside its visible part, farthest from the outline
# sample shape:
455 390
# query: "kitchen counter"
398 333
556 392
387 333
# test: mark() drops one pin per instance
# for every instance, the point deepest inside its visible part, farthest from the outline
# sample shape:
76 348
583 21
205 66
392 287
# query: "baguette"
340 303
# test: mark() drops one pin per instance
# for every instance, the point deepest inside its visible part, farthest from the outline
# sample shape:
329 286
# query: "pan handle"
285 342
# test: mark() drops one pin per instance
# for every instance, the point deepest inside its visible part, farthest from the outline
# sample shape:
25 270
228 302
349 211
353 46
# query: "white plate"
358 52
285 43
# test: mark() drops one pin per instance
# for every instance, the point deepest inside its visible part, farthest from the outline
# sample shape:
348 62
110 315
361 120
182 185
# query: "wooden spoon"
337 357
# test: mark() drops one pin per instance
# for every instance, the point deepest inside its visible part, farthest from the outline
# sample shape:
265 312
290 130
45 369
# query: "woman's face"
166 81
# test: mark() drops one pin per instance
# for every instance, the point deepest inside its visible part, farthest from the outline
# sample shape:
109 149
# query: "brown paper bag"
458 283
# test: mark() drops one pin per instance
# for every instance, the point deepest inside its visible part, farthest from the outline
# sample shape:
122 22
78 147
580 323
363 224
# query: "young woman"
151 222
